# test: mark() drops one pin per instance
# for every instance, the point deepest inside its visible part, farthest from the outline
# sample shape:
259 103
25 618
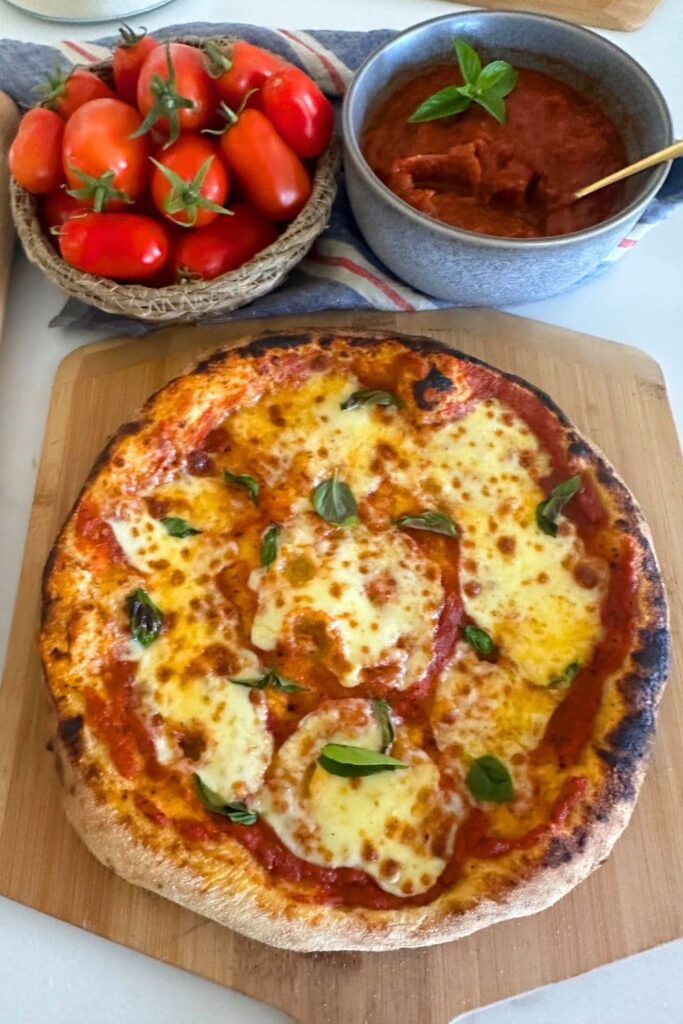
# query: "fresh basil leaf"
489 780
565 679
369 397
480 641
272 680
486 86
435 522
506 82
382 710
178 527
355 762
444 103
469 61
492 104
334 502
548 511
236 811
253 486
269 544
492 75
146 619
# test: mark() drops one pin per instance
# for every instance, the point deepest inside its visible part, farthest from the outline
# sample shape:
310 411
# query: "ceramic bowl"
473 269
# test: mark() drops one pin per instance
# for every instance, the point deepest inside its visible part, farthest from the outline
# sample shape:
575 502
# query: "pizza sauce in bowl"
466 138
514 179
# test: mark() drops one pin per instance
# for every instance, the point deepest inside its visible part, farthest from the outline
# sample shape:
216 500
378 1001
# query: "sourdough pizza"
353 643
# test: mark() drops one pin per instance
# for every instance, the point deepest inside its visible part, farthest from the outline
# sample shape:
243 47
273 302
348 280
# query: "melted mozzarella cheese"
380 597
517 582
303 436
398 826
485 708
197 717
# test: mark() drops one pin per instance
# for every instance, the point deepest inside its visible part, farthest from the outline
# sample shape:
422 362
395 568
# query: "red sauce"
116 722
96 534
515 179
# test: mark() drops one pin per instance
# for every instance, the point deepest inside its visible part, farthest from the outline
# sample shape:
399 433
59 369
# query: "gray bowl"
472 269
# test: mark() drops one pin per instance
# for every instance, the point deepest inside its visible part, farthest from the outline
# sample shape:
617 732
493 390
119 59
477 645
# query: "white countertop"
52 973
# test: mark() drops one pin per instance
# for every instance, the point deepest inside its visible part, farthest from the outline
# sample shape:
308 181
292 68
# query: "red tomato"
190 182
104 163
225 245
66 93
124 246
271 174
174 90
129 56
35 156
58 207
239 70
302 115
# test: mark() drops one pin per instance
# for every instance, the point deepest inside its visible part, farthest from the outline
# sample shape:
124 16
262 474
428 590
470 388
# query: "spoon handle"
660 157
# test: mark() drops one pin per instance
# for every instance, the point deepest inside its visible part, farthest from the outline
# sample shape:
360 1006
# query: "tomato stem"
218 62
129 37
167 103
186 196
99 191
53 87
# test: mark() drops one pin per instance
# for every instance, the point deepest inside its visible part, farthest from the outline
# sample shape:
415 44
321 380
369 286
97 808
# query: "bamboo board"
616 395
622 15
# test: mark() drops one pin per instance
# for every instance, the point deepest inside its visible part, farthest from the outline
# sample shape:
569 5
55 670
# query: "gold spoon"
660 157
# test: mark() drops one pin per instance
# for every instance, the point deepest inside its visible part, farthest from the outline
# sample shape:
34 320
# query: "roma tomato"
302 115
175 91
222 246
66 93
124 246
129 56
35 156
104 162
240 69
58 207
190 182
273 177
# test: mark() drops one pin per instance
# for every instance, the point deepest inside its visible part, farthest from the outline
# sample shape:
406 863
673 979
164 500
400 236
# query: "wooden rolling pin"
9 119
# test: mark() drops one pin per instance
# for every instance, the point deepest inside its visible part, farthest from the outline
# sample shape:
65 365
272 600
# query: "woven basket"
181 303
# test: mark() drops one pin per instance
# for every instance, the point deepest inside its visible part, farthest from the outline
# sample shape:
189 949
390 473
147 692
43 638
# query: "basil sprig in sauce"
350 761
269 544
177 527
489 780
146 620
243 480
362 398
272 680
487 86
334 502
236 811
547 511
435 522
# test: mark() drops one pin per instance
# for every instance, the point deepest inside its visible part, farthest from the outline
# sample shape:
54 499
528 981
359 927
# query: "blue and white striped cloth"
340 272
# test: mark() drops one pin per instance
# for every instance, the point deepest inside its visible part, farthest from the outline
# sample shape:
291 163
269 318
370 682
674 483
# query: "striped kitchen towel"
340 272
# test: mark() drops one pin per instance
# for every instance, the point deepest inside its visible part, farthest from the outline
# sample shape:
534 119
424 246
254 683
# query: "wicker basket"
191 301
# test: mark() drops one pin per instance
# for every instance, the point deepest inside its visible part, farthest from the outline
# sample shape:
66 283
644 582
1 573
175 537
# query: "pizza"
353 642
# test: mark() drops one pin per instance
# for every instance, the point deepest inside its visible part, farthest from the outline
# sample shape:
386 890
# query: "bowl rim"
354 153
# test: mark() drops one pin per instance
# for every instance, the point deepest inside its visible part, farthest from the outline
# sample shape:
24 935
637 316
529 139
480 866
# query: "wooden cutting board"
613 393
622 15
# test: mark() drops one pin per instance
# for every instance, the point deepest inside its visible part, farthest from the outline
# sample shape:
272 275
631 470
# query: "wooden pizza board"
622 15
616 395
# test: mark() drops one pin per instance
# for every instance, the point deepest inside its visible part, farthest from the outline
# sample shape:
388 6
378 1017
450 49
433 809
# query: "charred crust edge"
69 731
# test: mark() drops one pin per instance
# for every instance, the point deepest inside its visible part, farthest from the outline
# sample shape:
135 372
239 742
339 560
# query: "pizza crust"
244 899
